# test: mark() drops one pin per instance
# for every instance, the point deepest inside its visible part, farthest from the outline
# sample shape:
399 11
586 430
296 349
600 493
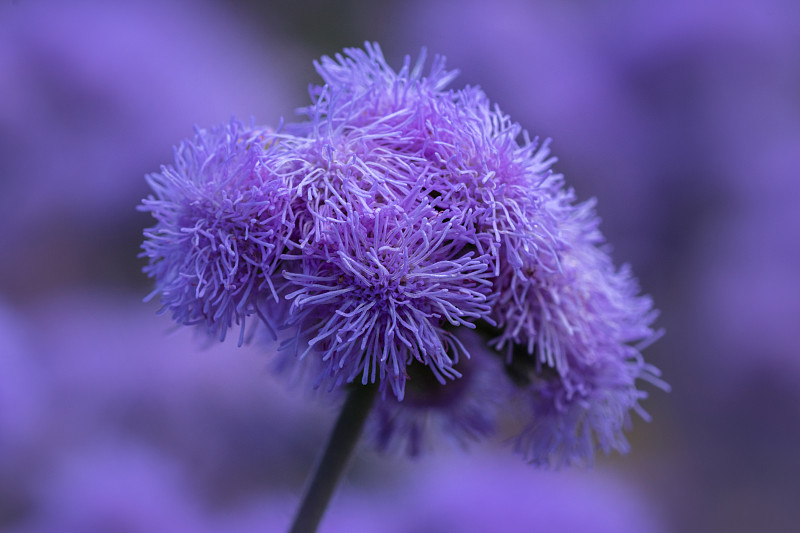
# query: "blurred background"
681 117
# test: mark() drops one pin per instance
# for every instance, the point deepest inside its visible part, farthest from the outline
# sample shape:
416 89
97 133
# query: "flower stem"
333 461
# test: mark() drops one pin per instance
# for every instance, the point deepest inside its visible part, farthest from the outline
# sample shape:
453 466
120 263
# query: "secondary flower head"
398 214
588 408
220 229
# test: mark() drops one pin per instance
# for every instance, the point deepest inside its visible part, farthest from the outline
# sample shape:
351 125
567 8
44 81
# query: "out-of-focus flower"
454 497
117 488
401 212
104 89
23 413
589 324
459 494
587 409
115 372
459 412
22 398
107 101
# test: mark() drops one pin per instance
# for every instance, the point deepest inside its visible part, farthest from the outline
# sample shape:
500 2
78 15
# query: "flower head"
220 229
418 140
396 216
579 309
586 409
573 341
382 288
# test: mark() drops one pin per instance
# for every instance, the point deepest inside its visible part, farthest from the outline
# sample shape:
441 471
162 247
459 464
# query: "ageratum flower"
577 308
378 138
396 215
220 230
584 327
418 140
379 290
588 408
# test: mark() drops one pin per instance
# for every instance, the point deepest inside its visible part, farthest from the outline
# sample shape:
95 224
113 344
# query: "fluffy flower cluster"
396 216
222 227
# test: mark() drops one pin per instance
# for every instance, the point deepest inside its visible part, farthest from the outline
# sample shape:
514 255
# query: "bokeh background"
681 117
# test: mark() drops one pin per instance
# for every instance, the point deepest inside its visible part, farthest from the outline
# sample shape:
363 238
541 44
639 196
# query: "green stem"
334 460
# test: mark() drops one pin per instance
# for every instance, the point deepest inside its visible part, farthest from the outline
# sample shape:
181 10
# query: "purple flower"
456 177
421 140
486 493
475 494
584 327
574 310
221 228
380 291
125 487
585 409
23 400
399 214
108 88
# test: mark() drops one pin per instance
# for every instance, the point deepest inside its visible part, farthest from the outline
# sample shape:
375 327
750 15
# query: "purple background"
681 117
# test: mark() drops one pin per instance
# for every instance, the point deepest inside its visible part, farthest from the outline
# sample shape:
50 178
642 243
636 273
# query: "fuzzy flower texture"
412 236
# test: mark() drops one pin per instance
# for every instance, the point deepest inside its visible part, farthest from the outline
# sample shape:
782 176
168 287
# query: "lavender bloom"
399 214
476 494
22 400
492 494
578 310
587 408
123 488
379 137
585 327
378 296
452 146
220 230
